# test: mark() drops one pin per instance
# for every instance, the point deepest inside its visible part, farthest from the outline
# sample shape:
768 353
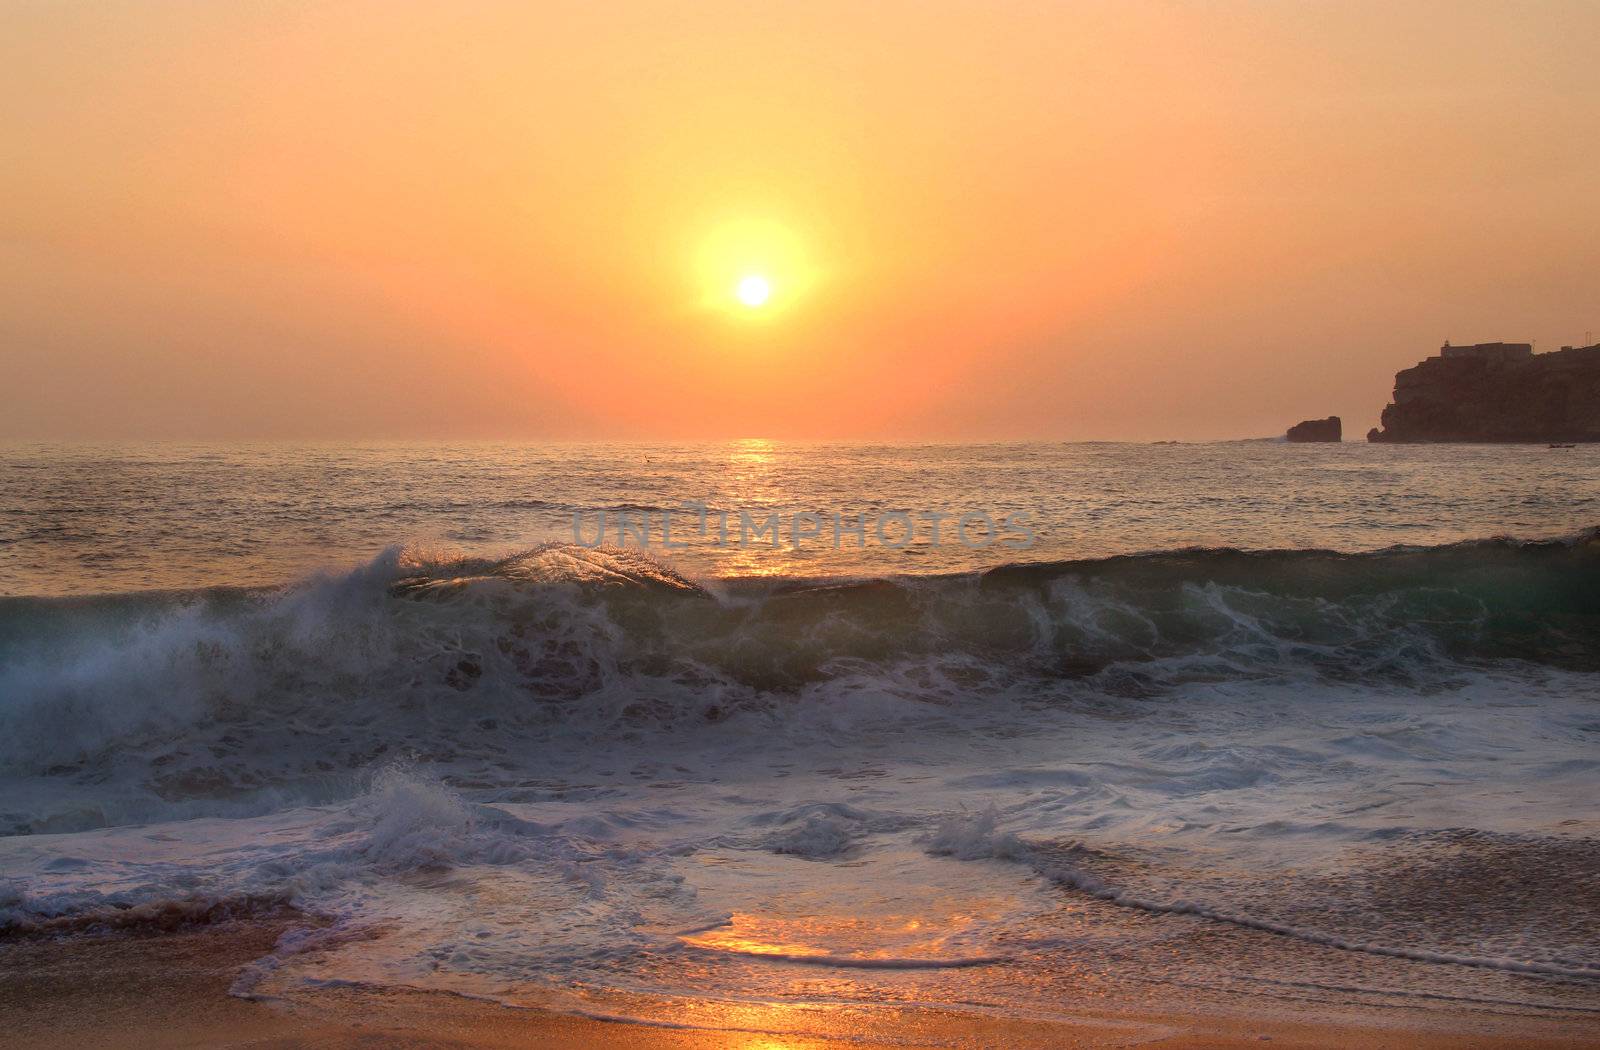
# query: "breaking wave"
227 696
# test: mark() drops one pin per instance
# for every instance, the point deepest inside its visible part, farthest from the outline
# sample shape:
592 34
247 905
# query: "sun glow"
753 267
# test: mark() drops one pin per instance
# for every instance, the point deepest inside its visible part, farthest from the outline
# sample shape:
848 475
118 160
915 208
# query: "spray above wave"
1488 599
228 694
1244 611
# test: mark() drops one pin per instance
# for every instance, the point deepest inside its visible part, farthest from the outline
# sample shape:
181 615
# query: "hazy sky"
985 220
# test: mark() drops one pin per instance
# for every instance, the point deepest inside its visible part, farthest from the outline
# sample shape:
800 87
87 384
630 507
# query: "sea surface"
1234 726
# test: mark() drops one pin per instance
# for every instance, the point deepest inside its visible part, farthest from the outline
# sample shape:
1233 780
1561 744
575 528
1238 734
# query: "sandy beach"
172 990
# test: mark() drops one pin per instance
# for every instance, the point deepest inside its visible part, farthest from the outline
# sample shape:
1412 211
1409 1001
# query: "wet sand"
172 990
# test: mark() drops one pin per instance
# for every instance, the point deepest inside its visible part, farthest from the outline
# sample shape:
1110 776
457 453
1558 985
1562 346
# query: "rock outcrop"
1501 392
1330 429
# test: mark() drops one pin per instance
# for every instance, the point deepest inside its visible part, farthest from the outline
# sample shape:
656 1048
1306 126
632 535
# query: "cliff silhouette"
1330 429
1496 392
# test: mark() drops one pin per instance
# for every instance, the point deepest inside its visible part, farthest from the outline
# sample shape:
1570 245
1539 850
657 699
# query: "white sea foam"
501 777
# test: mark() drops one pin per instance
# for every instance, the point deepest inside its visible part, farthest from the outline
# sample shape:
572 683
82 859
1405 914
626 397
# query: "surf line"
1093 887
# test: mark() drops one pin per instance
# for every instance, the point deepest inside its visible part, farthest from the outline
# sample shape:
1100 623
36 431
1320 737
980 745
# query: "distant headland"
1496 392
1486 392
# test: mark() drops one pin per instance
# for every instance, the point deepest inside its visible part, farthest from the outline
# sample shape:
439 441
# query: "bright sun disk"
754 290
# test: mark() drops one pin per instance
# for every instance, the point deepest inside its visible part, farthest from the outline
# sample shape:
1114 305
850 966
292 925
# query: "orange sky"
982 221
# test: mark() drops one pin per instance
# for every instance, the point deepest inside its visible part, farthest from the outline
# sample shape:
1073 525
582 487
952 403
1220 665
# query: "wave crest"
227 694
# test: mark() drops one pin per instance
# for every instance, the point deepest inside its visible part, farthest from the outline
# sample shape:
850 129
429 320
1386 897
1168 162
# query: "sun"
753 290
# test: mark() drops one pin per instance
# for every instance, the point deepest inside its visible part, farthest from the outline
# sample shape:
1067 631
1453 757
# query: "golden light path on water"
846 939
754 480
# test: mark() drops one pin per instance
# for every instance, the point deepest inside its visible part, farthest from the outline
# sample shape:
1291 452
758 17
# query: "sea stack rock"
1330 429
1496 392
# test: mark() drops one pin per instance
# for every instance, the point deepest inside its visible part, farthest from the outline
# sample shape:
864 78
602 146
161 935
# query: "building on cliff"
1496 392
1487 352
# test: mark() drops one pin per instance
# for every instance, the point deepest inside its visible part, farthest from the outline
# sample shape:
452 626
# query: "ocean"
1312 728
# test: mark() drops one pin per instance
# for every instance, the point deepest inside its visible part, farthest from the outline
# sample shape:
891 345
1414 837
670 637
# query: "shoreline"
171 989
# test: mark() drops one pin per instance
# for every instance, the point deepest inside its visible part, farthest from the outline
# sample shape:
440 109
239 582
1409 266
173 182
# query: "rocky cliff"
1330 429
1496 392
